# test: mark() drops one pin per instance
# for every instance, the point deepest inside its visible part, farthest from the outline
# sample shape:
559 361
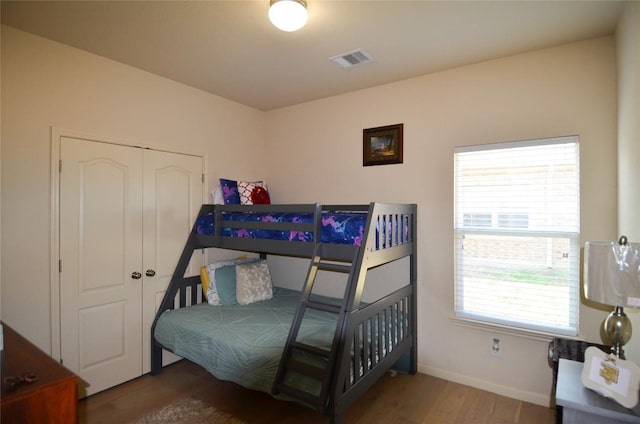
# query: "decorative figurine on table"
611 376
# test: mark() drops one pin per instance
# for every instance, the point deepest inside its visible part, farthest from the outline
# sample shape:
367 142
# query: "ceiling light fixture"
288 15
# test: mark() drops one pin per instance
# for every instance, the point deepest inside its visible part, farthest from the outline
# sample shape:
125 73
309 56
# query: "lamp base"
617 327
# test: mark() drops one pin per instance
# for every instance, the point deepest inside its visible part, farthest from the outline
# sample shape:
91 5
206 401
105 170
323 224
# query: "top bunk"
385 230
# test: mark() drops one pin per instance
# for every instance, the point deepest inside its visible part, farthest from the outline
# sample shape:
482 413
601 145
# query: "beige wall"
628 48
560 91
628 59
46 84
0 180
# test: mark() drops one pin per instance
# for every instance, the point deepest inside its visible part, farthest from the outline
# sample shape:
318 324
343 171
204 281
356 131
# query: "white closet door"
125 215
173 192
100 250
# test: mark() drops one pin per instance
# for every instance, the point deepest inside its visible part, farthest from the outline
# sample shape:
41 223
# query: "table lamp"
612 277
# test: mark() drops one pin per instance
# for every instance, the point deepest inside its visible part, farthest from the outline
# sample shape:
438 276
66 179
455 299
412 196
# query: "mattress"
338 228
239 343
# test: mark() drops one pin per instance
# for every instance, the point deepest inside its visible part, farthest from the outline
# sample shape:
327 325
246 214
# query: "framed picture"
382 145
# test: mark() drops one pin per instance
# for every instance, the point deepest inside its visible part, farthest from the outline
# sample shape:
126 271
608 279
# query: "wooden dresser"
53 398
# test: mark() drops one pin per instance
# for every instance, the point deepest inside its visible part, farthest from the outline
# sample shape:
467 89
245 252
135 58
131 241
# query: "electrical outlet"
496 348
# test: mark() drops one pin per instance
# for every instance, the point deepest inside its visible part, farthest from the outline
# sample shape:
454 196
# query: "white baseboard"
541 399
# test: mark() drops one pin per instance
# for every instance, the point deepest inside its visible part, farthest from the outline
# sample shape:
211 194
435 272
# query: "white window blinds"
517 234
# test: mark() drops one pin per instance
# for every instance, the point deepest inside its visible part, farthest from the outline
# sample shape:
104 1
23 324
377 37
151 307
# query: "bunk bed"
325 351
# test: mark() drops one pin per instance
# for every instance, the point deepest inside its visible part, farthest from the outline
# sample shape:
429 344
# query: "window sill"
512 331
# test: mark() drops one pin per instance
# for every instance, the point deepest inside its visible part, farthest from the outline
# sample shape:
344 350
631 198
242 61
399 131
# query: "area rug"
188 411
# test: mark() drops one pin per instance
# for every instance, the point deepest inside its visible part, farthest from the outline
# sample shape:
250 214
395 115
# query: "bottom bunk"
239 343
244 343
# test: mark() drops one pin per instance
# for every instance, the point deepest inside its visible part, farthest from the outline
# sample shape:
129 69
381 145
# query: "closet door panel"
173 193
100 249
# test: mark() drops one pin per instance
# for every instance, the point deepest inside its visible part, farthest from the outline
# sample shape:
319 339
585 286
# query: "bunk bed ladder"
306 365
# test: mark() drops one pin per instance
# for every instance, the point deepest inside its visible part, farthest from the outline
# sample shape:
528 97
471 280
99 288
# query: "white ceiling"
229 48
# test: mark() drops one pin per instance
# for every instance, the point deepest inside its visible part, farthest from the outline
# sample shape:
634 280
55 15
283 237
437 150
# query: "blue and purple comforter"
340 228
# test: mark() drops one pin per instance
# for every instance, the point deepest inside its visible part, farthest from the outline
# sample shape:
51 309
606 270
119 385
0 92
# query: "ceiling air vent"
353 58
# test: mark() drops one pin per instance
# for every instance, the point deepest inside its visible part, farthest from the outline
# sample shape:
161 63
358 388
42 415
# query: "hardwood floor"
410 399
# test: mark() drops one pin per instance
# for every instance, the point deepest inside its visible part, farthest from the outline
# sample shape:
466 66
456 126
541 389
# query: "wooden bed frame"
369 339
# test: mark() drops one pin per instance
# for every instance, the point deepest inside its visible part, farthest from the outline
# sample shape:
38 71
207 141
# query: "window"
477 219
513 220
516 231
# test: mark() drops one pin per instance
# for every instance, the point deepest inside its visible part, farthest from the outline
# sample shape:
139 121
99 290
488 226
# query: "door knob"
136 275
150 273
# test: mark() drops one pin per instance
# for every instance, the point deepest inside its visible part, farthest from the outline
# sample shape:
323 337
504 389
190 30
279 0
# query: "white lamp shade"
288 15
612 273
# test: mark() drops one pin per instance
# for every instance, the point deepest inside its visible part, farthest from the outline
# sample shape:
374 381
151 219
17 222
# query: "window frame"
573 239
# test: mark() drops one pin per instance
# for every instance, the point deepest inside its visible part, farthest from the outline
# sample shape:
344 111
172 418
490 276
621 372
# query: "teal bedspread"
238 343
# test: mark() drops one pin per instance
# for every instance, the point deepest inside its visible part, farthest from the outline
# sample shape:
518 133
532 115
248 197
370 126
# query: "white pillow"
217 197
253 282
212 291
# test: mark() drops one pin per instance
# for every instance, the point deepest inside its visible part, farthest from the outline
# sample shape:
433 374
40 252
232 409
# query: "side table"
581 405
52 398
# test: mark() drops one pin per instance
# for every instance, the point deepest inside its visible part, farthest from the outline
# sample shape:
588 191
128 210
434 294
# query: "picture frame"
382 145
